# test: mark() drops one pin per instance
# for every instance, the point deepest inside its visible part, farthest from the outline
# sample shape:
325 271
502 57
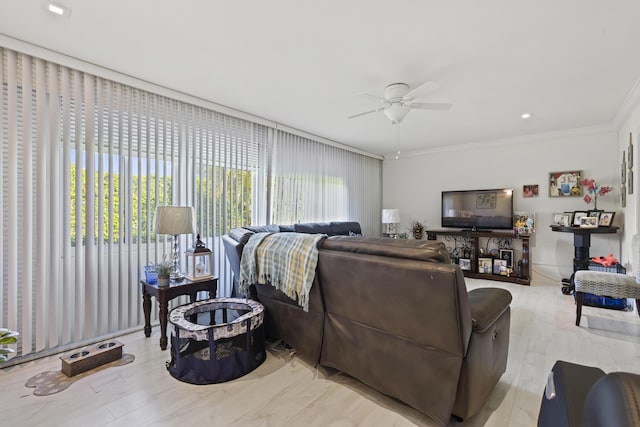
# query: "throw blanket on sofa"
287 261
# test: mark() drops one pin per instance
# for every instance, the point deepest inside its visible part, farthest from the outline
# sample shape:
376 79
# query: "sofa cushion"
313 228
241 235
345 228
420 250
264 228
613 401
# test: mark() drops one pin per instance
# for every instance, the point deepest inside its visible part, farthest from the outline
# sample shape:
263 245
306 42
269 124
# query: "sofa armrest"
487 305
613 401
563 399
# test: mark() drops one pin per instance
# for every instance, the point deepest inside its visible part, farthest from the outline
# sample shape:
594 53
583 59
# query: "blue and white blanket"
286 261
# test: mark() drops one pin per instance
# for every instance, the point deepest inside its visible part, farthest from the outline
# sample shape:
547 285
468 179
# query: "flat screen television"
478 209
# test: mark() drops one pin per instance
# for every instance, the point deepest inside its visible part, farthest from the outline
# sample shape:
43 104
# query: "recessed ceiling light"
526 115
56 9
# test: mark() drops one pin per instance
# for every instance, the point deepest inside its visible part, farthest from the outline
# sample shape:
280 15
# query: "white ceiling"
303 63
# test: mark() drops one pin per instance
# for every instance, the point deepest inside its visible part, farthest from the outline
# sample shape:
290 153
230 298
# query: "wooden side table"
164 294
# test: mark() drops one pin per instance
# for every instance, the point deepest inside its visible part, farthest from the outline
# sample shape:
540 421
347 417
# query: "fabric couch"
396 315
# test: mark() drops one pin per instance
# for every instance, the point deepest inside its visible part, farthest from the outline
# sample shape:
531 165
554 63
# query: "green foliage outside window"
233 203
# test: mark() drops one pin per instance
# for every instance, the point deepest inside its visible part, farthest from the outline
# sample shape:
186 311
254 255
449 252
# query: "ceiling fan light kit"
396 112
398 101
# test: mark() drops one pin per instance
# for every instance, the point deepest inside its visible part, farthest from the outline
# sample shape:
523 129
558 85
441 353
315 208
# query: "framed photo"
465 264
577 217
486 200
595 214
507 255
623 195
485 265
570 213
530 190
623 168
500 267
562 219
565 184
606 219
589 222
630 181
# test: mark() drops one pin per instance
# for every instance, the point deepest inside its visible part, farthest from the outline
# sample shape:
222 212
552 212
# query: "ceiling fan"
398 101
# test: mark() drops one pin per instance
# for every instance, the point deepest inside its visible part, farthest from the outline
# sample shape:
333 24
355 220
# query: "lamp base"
176 277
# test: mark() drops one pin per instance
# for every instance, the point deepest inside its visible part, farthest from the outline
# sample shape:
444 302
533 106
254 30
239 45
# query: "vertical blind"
312 181
85 161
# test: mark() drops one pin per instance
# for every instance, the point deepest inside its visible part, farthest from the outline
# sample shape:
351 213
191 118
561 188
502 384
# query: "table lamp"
390 217
174 220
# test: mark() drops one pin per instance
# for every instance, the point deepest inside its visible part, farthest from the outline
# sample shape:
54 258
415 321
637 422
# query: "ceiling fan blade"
424 88
373 97
440 106
366 112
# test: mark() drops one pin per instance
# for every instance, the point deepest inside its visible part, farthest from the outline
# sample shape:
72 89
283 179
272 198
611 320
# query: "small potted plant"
7 337
417 228
164 270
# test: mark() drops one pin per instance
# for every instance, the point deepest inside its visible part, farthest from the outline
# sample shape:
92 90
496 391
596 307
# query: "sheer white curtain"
312 181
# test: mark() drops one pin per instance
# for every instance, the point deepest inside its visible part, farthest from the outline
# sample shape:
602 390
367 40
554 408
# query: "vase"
163 281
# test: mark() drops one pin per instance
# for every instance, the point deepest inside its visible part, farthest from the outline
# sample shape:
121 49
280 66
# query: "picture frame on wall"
465 264
577 216
623 195
565 184
606 219
530 190
507 255
485 265
630 151
630 181
486 200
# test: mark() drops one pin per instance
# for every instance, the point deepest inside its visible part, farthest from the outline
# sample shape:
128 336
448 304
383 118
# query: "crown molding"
516 140
631 102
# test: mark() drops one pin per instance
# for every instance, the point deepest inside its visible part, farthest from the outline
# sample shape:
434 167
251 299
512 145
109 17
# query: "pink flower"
594 190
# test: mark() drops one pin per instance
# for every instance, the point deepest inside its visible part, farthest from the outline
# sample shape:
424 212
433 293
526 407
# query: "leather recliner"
396 314
578 395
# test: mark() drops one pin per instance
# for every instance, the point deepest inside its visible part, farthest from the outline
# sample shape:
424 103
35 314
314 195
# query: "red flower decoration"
594 190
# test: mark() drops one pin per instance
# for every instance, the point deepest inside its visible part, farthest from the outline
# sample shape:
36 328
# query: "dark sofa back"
402 310
238 237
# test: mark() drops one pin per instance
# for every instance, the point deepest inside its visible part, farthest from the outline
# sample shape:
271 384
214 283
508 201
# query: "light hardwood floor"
286 391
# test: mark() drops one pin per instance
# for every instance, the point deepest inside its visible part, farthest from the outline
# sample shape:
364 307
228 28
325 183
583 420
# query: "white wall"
414 183
632 222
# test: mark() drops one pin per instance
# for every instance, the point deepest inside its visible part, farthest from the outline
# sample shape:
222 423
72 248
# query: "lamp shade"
390 216
174 220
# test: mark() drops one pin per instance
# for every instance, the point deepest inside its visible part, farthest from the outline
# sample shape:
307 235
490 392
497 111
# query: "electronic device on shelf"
478 209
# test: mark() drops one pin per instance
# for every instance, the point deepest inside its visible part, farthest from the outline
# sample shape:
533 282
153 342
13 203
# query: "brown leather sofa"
396 315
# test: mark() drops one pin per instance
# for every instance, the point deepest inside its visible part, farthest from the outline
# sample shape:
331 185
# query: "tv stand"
475 240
